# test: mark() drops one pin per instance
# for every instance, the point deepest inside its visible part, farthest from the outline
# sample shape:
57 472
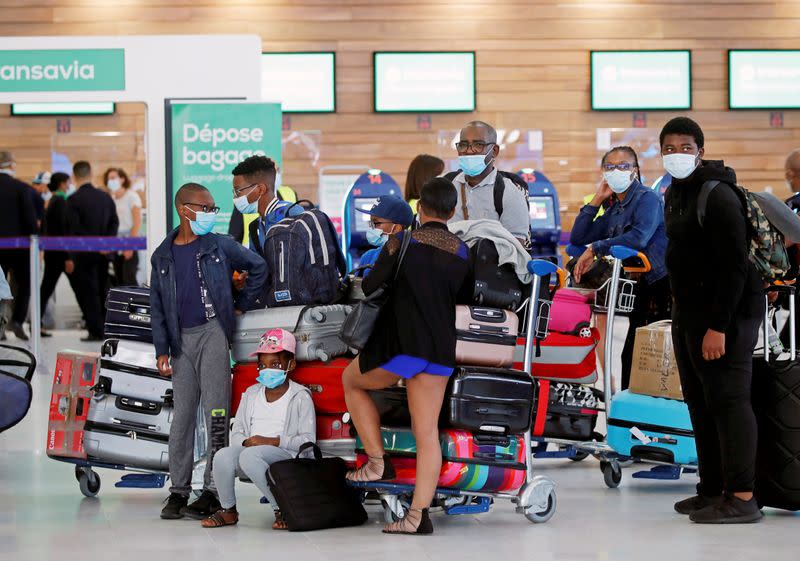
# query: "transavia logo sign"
62 70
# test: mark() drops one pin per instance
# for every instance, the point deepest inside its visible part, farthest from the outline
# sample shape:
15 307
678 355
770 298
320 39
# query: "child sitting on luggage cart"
275 417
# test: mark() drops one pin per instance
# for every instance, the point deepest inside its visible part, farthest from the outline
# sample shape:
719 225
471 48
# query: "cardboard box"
654 370
73 379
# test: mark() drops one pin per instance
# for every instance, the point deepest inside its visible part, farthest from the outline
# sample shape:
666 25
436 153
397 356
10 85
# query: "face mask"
376 237
114 185
278 179
203 223
618 180
245 207
47 196
473 165
71 189
680 166
271 377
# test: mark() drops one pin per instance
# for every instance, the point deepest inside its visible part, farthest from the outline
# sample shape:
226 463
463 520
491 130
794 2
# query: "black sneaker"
692 504
206 505
172 510
729 510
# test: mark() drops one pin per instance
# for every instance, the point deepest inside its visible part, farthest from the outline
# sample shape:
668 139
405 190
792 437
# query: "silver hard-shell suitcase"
316 329
130 448
131 413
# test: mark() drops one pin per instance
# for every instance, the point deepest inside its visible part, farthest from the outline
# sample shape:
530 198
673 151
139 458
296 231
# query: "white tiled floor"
43 516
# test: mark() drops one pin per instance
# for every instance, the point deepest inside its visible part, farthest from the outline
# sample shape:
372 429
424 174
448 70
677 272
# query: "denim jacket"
220 255
636 222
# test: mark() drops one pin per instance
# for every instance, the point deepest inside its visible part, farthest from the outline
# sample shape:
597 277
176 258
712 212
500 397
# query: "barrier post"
36 305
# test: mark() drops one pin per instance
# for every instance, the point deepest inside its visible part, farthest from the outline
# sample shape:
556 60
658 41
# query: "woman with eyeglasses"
634 218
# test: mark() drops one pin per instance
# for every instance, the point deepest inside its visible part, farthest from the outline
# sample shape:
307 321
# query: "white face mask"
114 185
278 180
680 166
46 196
619 181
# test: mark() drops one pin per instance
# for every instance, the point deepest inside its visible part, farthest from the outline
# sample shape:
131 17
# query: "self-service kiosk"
661 184
363 194
544 213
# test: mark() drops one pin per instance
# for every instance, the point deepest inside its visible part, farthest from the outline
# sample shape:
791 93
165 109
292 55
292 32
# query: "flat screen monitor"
301 82
414 82
543 215
362 219
764 79
72 108
641 80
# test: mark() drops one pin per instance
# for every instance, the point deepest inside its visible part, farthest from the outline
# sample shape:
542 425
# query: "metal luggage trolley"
620 292
536 499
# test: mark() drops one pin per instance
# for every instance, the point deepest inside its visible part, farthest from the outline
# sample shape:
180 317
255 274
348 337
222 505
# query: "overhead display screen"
641 80
424 82
300 82
74 108
763 79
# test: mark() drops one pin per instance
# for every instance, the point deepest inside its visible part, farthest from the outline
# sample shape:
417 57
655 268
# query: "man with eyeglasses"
483 191
193 311
390 215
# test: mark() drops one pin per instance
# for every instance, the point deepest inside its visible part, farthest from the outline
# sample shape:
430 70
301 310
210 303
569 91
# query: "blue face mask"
203 223
376 237
245 207
271 377
473 165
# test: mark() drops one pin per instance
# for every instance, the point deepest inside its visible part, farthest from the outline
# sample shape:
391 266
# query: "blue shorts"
407 367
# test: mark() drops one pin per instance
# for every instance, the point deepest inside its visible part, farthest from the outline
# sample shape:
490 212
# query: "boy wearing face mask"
634 218
275 418
193 319
390 215
719 307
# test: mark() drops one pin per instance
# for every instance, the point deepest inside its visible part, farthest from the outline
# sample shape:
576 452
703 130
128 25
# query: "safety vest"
587 199
413 204
285 193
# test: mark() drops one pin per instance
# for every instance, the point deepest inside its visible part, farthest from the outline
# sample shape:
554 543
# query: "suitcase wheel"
88 481
612 473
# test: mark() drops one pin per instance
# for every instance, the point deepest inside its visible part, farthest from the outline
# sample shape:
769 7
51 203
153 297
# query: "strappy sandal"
280 521
406 526
376 469
223 517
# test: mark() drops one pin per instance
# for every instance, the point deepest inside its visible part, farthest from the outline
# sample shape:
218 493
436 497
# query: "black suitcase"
495 286
128 313
492 400
566 411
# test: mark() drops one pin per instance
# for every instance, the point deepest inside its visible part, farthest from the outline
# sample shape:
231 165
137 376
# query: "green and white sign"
58 70
209 139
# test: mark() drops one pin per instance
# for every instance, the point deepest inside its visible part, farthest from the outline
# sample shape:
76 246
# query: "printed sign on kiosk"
363 195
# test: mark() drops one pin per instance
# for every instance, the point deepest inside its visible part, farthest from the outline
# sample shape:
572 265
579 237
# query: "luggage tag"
644 439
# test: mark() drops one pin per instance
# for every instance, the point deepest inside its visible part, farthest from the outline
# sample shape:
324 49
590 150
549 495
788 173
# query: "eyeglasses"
204 208
477 146
625 166
238 191
374 224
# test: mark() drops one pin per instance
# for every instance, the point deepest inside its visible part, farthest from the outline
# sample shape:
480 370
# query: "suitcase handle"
491 440
134 425
492 411
493 456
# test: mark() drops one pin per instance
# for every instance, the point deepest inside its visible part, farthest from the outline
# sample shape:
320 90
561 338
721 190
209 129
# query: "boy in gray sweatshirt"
275 417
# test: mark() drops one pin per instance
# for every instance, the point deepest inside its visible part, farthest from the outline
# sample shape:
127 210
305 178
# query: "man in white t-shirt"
275 418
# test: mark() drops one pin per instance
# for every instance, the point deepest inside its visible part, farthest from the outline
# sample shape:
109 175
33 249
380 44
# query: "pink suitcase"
485 336
571 311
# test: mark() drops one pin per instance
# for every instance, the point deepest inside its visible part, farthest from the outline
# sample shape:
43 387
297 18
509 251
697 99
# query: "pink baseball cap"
275 341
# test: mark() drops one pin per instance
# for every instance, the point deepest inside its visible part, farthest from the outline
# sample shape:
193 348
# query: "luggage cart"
536 499
615 296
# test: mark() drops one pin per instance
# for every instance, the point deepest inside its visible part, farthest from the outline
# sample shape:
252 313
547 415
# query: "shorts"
407 367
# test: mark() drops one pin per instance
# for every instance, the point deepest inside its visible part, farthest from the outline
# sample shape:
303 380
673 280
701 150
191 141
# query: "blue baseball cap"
392 208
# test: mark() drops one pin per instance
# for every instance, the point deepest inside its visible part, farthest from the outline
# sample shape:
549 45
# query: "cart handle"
621 252
541 267
575 250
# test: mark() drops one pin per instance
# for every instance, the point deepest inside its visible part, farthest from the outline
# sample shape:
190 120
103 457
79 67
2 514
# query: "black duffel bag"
313 494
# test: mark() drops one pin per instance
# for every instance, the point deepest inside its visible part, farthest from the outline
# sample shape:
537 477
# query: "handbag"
359 325
313 494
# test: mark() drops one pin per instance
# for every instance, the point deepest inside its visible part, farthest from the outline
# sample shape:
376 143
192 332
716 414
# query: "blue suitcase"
664 421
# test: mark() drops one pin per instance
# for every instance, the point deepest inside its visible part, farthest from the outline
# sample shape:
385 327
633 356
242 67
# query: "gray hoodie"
301 421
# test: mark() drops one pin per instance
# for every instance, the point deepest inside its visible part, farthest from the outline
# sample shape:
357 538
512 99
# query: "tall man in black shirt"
91 212
19 220
718 309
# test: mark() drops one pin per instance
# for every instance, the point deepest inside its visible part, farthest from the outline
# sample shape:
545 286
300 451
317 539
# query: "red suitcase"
562 358
73 379
324 379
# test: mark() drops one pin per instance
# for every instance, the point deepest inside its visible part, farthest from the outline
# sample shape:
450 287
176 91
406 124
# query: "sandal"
376 469
223 517
280 521
406 525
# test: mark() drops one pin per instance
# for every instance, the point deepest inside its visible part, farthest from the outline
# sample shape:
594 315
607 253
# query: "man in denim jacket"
193 319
